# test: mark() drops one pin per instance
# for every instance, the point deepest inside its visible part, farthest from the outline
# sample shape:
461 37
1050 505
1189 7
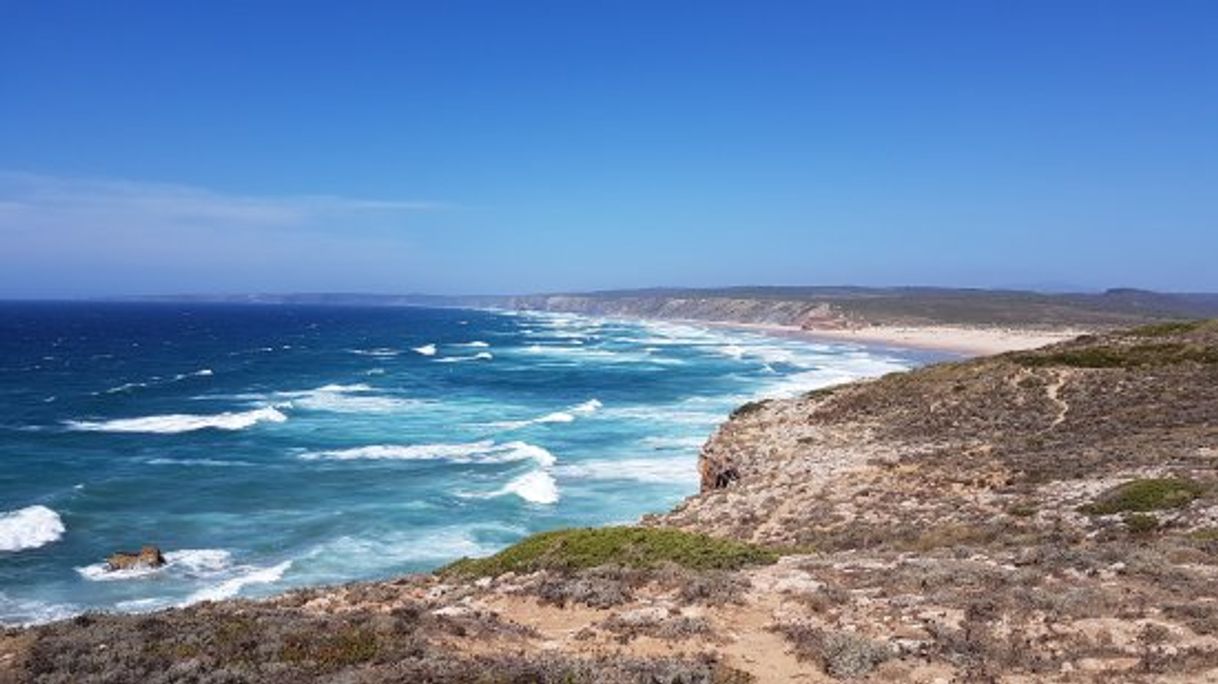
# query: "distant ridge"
804 306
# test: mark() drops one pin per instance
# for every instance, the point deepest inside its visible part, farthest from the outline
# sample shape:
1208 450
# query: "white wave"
480 356
18 612
157 380
844 369
536 486
649 470
375 371
143 605
182 422
477 344
734 351
486 451
374 551
380 352
346 399
656 442
426 350
209 462
125 387
669 414
564 416
233 586
29 528
189 563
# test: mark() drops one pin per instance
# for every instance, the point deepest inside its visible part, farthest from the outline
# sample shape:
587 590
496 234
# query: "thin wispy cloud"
44 199
120 236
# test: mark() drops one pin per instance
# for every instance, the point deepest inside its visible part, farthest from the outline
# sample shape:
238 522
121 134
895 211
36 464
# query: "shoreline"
968 341
962 340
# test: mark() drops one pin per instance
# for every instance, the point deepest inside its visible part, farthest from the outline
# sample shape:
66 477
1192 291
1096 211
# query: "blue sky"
525 146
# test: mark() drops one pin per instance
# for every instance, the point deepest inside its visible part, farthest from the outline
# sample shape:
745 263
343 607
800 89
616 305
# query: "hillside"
1045 515
808 307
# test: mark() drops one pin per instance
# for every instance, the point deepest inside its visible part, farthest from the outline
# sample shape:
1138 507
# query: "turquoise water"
269 447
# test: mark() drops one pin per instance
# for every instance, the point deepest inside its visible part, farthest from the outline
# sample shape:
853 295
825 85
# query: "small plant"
1140 496
1141 523
1167 329
840 654
749 408
1022 510
822 393
1119 357
629 547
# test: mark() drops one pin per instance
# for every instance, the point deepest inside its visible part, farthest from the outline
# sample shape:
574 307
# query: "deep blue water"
270 447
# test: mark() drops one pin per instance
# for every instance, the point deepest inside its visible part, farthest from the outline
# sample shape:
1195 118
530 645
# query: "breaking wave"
649 470
480 356
565 416
486 451
182 422
186 562
537 486
29 528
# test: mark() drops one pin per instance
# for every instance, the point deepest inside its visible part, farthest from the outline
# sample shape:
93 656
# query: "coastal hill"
1040 515
808 307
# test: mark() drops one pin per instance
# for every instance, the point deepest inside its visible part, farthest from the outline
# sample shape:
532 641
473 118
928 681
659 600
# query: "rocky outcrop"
147 557
964 443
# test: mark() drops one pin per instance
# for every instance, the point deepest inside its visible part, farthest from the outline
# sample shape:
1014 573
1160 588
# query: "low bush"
629 547
1167 329
1140 496
840 654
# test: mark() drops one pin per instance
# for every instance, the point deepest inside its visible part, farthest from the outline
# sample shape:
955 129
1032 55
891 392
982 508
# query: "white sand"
965 340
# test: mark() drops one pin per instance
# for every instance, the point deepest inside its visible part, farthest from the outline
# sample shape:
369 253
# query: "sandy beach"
964 340
969 341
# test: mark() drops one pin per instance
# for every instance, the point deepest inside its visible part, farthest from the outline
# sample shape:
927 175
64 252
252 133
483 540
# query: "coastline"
807 564
966 341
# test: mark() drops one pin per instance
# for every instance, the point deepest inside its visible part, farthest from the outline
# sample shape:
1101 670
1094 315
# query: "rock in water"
147 557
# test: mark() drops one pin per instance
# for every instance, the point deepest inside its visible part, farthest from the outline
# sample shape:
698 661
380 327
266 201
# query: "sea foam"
480 356
182 422
29 528
186 562
564 416
536 486
233 586
648 470
486 451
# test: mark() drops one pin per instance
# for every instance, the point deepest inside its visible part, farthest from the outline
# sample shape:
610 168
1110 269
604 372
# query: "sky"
505 147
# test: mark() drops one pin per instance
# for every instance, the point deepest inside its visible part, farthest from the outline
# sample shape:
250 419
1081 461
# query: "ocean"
269 447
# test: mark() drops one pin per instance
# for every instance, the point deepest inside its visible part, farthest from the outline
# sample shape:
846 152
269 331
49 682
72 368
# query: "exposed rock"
146 558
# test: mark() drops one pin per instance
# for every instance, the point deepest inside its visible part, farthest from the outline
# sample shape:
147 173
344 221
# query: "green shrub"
1022 510
1141 523
749 408
1119 357
632 547
1167 329
1145 495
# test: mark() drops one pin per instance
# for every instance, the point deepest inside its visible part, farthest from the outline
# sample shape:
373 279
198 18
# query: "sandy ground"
969 341
962 340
